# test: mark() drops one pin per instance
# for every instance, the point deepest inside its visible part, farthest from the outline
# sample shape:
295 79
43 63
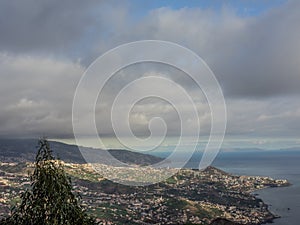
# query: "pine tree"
50 200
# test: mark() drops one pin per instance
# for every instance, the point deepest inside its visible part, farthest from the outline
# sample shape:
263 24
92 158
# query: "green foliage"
176 203
50 200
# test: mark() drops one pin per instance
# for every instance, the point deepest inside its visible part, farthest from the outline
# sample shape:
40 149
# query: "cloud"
36 95
272 117
48 27
252 57
256 60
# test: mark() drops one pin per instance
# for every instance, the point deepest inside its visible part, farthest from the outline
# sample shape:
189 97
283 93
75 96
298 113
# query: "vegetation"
50 200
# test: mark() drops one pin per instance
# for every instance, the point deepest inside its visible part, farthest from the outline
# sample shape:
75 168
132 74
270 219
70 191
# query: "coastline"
230 196
268 204
274 216
257 195
255 192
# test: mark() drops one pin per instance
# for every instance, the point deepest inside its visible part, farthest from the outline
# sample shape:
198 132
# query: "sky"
253 48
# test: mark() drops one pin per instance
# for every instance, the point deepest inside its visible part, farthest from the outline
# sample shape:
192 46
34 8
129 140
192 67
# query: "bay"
283 201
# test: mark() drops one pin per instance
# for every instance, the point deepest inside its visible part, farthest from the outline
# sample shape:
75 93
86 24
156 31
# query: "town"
188 197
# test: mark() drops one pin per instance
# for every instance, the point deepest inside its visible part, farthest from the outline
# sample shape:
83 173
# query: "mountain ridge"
12 150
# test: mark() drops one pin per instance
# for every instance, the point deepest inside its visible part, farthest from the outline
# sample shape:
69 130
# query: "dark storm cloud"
264 56
44 25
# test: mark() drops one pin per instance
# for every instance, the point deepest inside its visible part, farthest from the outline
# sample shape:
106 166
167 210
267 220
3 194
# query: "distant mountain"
259 150
12 150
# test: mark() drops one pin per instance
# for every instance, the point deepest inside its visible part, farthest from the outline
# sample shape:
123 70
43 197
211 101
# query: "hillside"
24 150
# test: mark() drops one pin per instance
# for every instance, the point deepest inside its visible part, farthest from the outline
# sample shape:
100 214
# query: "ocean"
278 164
284 201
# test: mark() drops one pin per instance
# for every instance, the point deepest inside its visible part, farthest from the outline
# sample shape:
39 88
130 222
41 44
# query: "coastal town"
188 197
